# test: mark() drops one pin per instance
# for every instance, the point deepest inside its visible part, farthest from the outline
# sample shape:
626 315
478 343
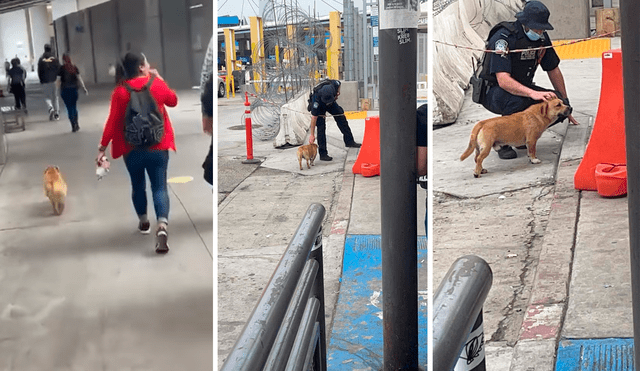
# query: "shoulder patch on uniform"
501 45
316 105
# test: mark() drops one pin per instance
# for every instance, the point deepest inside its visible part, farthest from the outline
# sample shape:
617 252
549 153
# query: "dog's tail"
472 141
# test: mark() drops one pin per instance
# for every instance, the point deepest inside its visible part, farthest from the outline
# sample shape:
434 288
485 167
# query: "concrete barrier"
348 99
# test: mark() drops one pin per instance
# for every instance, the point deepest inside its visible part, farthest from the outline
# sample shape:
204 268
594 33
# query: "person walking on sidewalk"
139 160
17 76
510 75
69 79
323 100
48 67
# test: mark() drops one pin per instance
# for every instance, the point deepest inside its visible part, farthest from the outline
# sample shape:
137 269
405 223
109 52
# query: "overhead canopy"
7 6
59 8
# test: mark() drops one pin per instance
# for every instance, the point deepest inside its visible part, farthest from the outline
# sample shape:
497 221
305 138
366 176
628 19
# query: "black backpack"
314 91
143 121
481 78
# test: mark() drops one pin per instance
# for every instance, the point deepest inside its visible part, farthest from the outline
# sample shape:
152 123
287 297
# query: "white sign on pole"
399 14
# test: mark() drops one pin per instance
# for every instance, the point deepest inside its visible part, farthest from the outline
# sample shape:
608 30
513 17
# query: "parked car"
221 88
238 78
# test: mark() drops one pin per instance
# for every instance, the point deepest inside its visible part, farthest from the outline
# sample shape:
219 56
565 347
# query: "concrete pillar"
569 18
176 42
104 27
80 44
348 99
41 32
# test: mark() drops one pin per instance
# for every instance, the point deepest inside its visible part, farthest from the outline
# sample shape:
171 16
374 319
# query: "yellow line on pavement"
180 179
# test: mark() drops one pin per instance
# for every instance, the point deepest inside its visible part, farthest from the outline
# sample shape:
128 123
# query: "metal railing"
457 306
286 330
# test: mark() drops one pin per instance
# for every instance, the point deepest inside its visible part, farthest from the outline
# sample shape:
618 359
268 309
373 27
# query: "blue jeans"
155 164
70 98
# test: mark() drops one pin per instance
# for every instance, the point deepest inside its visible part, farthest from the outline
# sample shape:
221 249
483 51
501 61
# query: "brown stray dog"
55 188
308 151
517 129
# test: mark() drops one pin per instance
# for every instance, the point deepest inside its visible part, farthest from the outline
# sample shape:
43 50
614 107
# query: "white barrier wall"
465 23
14 35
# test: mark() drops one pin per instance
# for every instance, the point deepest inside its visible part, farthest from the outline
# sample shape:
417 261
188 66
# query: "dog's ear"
544 108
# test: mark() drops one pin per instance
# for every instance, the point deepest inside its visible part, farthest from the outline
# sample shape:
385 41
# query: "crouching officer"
510 75
323 100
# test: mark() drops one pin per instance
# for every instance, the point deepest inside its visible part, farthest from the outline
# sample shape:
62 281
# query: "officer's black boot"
507 153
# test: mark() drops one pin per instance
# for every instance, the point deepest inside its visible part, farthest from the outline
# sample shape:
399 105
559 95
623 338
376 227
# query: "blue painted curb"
356 339
612 354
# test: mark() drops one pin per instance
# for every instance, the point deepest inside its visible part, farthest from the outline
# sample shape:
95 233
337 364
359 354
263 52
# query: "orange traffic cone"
607 142
368 161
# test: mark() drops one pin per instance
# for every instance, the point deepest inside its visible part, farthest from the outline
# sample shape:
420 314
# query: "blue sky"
249 8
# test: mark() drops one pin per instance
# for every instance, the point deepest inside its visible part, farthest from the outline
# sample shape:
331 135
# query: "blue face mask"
533 36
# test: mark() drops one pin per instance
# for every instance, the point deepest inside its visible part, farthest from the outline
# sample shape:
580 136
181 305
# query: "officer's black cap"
535 15
327 98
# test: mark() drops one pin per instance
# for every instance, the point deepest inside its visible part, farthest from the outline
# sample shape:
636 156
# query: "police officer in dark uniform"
323 100
510 75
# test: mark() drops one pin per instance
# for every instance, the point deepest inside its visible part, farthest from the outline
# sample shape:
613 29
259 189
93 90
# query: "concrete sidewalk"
84 290
263 205
577 308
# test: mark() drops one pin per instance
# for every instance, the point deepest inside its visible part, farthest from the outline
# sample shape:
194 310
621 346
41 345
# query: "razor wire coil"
301 43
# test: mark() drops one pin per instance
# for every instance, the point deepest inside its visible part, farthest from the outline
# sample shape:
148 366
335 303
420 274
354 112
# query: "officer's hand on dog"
543 95
312 139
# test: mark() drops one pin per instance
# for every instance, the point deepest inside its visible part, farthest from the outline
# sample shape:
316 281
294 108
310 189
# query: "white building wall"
13 33
60 8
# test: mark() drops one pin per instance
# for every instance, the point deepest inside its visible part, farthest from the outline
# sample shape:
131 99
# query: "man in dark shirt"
511 73
17 76
48 67
323 101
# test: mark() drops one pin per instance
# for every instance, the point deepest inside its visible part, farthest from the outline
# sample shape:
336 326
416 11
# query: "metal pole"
345 33
631 84
375 61
318 292
398 40
358 31
457 304
366 47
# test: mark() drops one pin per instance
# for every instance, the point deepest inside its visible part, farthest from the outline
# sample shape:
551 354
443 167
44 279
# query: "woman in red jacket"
154 160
